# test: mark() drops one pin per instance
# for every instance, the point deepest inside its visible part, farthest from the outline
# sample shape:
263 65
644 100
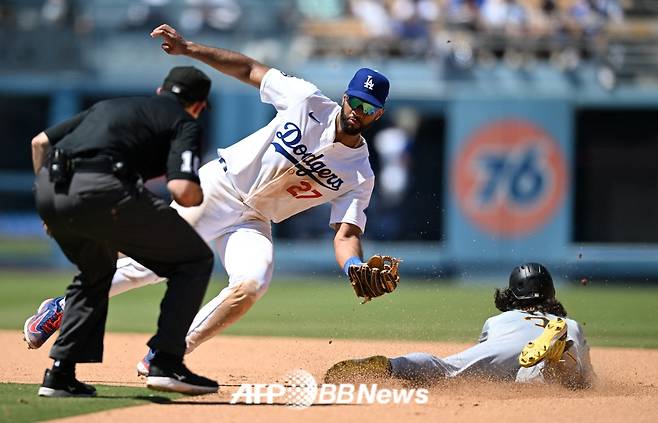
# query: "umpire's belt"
101 164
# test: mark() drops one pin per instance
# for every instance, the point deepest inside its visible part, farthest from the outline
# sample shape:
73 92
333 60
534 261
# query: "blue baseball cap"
370 86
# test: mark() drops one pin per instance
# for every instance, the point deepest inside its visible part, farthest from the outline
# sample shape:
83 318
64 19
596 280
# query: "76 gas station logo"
509 178
518 176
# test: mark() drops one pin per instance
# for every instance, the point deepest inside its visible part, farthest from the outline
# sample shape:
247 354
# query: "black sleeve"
59 131
185 152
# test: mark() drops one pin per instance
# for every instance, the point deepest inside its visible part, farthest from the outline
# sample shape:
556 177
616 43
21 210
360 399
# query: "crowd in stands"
415 18
484 27
404 19
85 16
463 32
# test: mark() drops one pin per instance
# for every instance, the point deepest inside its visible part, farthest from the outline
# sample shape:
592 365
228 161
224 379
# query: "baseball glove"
378 276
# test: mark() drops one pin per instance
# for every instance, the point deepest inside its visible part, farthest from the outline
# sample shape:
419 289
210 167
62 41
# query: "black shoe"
58 384
175 377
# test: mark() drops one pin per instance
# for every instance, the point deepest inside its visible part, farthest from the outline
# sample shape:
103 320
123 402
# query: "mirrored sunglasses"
367 108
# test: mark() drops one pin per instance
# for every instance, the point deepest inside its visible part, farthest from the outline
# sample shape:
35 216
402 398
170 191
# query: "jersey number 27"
303 190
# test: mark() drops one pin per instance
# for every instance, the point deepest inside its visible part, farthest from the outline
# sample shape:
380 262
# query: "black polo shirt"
151 135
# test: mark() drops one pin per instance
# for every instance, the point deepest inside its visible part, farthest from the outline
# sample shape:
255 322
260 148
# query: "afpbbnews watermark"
302 391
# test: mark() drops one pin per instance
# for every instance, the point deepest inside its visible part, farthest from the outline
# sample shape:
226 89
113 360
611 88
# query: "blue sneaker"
47 320
144 366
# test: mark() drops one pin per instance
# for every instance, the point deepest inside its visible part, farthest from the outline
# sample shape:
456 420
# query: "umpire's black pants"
93 218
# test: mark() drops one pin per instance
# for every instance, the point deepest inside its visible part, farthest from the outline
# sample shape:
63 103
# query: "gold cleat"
360 370
548 346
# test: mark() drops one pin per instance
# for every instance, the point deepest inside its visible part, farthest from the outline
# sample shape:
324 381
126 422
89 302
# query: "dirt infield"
627 388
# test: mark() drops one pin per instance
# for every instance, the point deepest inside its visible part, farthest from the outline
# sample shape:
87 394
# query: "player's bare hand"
172 42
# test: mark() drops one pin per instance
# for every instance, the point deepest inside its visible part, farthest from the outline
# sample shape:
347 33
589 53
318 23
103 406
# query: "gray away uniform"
496 355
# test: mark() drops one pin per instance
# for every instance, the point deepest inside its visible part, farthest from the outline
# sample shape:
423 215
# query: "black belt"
95 165
103 164
61 167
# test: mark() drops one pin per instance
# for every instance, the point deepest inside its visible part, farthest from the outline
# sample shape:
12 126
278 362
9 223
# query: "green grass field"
326 308
19 402
322 308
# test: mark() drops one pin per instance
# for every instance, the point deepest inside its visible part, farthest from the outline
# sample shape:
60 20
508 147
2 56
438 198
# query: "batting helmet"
531 281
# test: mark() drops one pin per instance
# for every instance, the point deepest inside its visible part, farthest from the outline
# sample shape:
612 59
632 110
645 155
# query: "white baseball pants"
243 241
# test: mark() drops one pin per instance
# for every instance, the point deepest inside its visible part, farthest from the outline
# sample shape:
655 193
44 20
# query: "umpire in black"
90 195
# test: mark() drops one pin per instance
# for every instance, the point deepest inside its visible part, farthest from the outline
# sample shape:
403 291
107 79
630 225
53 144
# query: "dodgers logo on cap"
370 86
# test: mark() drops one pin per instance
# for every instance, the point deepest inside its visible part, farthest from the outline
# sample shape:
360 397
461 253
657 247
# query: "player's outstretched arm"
376 277
347 243
228 62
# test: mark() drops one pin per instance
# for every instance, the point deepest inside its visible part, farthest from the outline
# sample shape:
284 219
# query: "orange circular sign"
510 177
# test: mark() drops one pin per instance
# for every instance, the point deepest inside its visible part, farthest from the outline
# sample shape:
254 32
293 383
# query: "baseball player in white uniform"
530 341
311 153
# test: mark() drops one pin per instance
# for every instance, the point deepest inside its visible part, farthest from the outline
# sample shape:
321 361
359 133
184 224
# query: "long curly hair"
506 301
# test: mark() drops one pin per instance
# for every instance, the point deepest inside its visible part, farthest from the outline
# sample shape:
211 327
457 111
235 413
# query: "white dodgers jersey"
293 163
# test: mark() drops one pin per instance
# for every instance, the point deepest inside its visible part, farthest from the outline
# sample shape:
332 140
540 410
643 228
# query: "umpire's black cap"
531 281
188 82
